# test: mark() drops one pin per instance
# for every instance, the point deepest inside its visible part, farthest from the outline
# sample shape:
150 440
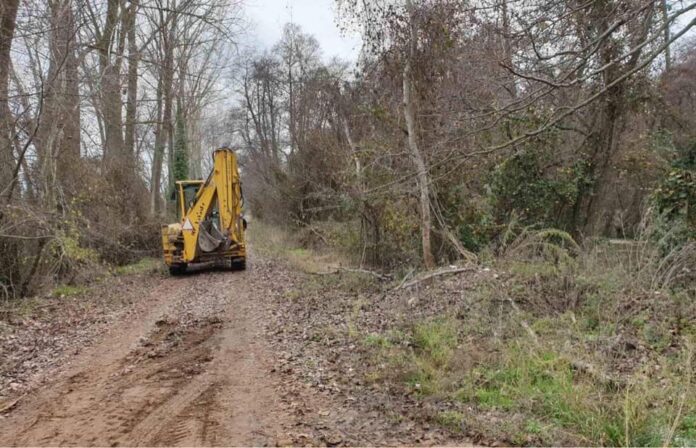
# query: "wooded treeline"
460 122
465 119
101 109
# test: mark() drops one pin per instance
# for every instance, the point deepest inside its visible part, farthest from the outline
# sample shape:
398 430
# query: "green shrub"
675 199
526 185
675 202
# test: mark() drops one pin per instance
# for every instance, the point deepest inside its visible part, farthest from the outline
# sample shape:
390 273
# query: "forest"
460 121
552 141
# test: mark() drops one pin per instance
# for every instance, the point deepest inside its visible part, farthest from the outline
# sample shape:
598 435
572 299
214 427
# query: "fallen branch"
358 271
434 274
594 372
318 234
406 277
523 322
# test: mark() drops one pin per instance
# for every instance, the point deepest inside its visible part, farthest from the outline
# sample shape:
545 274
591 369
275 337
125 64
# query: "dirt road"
212 358
192 370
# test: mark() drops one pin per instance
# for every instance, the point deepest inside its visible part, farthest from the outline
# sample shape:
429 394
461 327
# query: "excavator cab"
212 226
185 195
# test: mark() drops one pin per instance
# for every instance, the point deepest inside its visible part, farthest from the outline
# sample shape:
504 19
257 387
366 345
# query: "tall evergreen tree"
181 156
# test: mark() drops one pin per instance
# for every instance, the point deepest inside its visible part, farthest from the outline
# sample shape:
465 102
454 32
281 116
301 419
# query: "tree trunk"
57 139
600 167
168 77
111 88
158 158
69 154
353 152
132 96
164 132
194 144
291 98
510 84
8 247
419 161
421 170
365 223
8 15
665 18
597 200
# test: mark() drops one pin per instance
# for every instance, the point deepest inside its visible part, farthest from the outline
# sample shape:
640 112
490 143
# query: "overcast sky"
316 17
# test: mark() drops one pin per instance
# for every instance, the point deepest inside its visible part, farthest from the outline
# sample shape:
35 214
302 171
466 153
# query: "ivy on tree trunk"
181 165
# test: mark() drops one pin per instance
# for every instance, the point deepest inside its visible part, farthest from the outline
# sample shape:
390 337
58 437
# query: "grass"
68 290
556 401
28 307
377 340
590 308
451 419
686 434
143 266
270 241
542 384
20 309
435 341
427 360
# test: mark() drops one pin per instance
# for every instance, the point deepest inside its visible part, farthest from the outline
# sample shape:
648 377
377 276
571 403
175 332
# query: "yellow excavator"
211 227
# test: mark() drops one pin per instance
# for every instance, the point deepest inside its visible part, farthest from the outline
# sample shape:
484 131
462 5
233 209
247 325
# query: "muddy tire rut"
192 371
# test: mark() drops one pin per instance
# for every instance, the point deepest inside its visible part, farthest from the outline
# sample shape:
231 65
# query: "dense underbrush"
578 345
70 243
544 342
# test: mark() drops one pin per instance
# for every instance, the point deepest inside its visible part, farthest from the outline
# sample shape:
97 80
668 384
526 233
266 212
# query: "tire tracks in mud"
191 372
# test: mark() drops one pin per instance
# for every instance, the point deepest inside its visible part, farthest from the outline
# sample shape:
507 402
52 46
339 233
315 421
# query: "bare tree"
411 127
109 47
8 15
133 60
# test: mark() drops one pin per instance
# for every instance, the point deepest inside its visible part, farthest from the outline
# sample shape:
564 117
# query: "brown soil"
191 370
210 358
